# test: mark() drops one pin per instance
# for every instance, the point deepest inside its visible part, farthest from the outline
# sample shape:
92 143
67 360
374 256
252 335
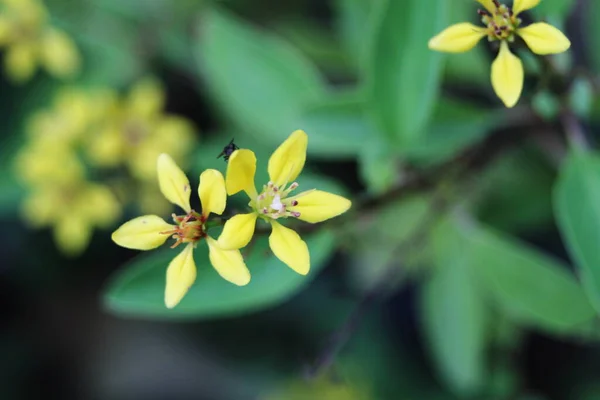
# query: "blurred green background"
468 266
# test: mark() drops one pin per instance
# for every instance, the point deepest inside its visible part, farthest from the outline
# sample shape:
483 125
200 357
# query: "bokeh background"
468 266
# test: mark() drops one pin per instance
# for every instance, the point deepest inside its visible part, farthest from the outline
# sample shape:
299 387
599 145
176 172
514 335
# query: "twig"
573 130
341 336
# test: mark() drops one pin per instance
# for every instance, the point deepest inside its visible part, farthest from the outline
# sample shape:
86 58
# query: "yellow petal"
7 30
238 231
181 274
173 183
212 192
507 76
241 168
523 5
543 38
316 206
488 4
146 98
142 233
41 207
59 54
228 263
99 205
20 61
457 38
287 245
72 235
287 161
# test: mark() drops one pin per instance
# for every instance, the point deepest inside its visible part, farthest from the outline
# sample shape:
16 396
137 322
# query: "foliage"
473 230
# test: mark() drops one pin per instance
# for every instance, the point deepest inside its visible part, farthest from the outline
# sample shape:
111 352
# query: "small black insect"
228 150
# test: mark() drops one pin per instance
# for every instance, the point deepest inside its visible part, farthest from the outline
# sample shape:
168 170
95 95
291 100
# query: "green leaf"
378 167
516 192
338 126
383 236
528 285
455 315
577 211
554 8
261 82
138 289
454 126
352 17
403 74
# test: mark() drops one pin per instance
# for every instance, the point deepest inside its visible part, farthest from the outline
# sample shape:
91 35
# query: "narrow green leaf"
338 126
529 285
138 290
384 235
554 8
455 315
261 82
352 17
577 211
524 171
378 166
403 74
454 125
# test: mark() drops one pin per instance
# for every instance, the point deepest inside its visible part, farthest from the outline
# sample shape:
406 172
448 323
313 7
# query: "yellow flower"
136 131
275 201
150 231
502 23
31 41
73 210
66 122
38 163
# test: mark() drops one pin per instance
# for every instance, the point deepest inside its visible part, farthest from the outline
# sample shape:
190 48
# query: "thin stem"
573 130
386 280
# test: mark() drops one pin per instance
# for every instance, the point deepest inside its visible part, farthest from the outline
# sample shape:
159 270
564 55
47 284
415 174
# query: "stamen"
295 214
294 203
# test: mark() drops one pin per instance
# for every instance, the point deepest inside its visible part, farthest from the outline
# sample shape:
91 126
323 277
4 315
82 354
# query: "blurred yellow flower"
30 42
322 388
502 24
38 164
150 231
72 209
275 202
136 131
67 121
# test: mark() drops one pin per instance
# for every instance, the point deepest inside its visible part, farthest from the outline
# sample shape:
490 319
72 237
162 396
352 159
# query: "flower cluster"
61 156
30 41
274 203
502 24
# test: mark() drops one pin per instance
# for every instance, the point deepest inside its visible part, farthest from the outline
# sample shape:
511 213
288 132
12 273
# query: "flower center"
135 132
273 201
501 24
190 228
